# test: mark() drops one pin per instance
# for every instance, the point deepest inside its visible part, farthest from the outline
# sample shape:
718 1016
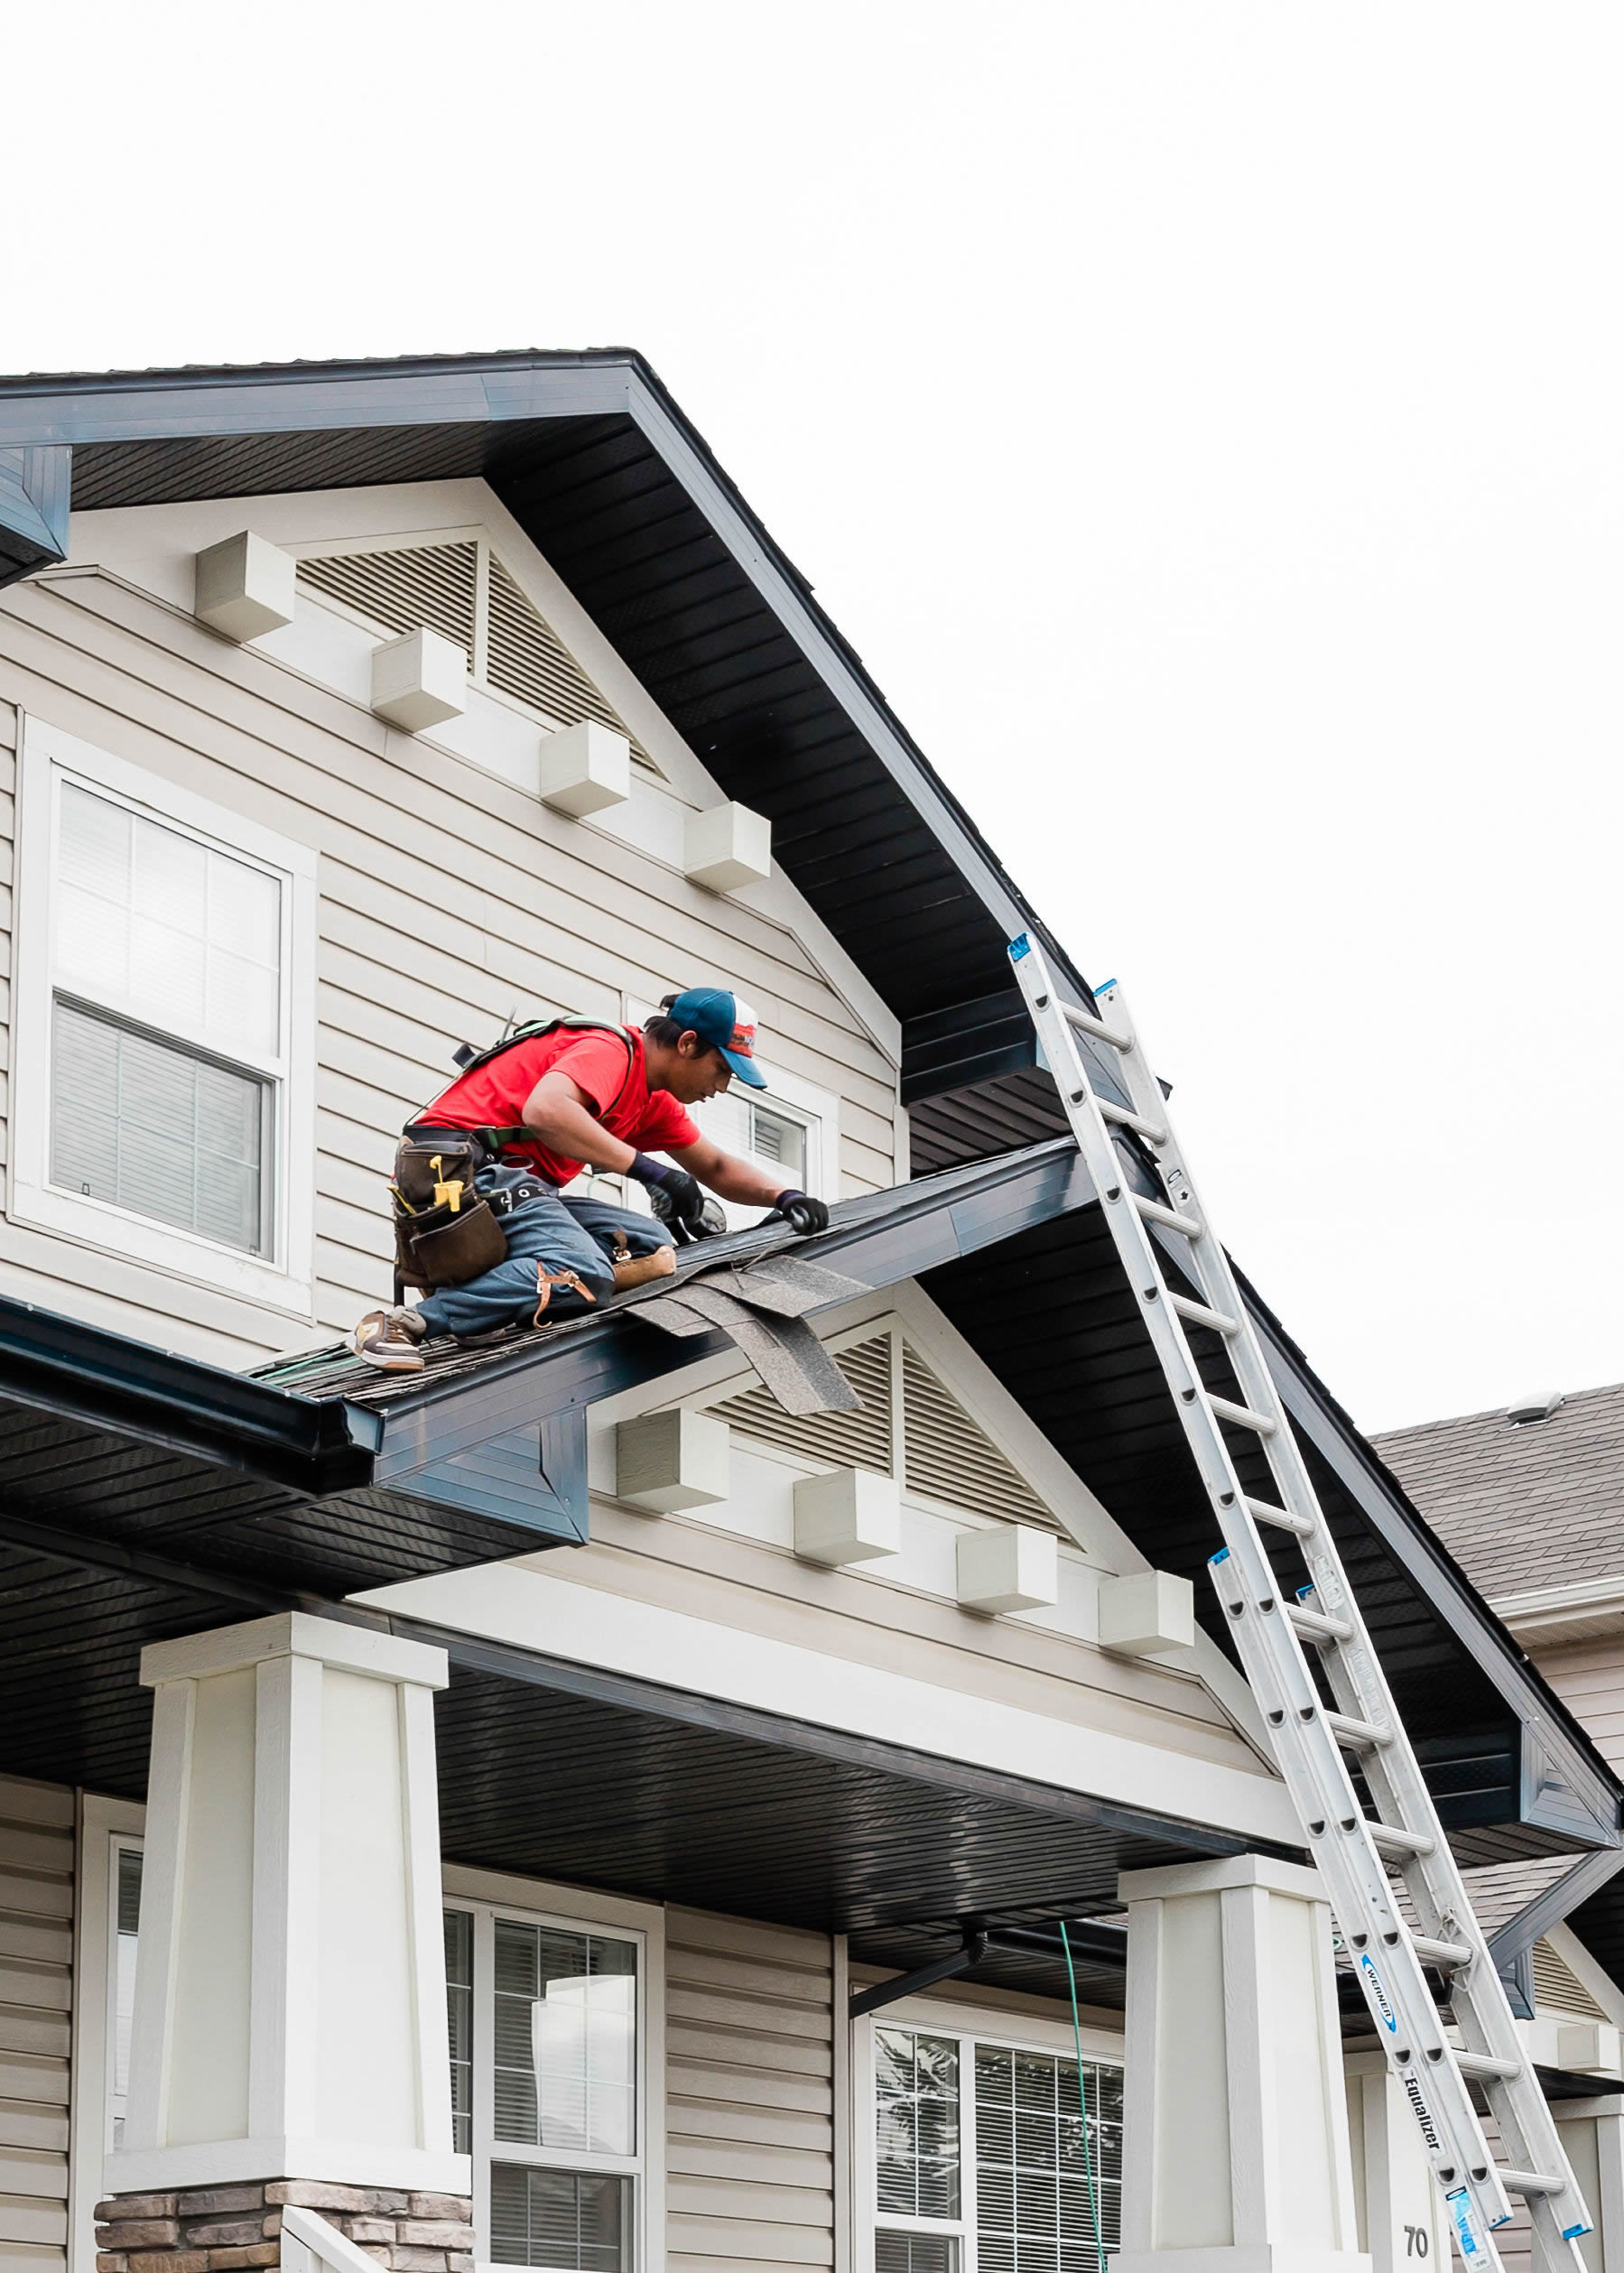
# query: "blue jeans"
564 1235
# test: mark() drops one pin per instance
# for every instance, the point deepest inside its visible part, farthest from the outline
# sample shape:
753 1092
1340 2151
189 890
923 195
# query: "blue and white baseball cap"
725 1023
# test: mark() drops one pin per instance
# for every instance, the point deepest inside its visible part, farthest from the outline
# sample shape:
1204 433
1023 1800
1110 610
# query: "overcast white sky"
1205 421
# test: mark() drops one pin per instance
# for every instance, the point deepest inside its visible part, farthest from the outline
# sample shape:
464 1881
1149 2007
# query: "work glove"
676 1195
803 1215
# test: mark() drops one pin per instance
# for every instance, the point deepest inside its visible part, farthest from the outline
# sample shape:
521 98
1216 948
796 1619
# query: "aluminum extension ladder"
1163 1241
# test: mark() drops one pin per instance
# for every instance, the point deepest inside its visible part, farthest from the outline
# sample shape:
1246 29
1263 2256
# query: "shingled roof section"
1518 1508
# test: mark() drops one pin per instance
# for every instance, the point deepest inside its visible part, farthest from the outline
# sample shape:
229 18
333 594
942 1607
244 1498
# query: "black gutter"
107 1381
1086 1939
901 1985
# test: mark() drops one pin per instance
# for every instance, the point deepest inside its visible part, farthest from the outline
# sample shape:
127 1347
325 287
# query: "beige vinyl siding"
749 2095
732 1582
448 899
1590 1681
36 1948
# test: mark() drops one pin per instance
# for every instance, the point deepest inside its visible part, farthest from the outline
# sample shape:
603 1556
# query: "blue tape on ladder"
1019 947
1571 2233
1221 1556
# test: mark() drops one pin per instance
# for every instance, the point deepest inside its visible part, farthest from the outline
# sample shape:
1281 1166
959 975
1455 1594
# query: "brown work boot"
636 1270
546 1280
389 1340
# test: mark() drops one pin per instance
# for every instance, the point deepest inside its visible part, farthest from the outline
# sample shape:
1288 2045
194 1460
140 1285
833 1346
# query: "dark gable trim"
34 509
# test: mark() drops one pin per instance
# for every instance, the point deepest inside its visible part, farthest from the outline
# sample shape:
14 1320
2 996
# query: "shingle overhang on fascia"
624 498
881 1240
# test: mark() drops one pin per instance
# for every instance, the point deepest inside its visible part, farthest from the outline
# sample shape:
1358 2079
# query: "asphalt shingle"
1521 1507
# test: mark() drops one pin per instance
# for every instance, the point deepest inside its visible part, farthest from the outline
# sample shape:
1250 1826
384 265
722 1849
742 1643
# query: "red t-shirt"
492 1097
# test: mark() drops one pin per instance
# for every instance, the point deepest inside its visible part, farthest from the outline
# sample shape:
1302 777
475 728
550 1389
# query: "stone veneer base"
225 2229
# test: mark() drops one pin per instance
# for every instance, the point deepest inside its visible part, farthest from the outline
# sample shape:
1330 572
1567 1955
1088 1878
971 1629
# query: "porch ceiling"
558 1771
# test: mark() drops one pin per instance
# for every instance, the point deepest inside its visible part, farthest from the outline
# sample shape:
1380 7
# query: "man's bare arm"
558 1112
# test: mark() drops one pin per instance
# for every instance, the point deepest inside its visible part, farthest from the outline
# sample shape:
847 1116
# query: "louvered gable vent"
432 584
526 658
845 1439
513 649
1558 1988
948 1456
951 1459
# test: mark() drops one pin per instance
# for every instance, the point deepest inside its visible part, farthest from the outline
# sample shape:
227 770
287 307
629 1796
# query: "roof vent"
1521 1411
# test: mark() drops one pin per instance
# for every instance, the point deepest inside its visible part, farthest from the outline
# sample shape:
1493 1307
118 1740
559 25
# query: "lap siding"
448 899
749 2095
36 1955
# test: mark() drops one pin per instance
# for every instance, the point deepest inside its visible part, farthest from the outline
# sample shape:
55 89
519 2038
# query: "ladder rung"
1390 1839
1096 1026
1153 1132
1486 2063
1359 1736
1529 2182
1264 1511
1316 1625
1155 1212
1200 1315
1243 1416
1448 1956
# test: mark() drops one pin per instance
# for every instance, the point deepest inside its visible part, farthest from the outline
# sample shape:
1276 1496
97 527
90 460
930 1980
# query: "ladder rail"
1167 1229
1357 1680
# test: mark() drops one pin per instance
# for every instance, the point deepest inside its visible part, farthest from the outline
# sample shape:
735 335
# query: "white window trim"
487 1894
284 1282
105 1826
972 2025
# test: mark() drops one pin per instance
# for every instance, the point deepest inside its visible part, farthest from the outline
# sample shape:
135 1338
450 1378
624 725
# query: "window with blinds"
544 2024
168 1047
1048 2182
991 2159
126 1926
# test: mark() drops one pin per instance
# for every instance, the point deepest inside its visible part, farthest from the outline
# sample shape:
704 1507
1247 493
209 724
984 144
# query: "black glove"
685 1208
803 1215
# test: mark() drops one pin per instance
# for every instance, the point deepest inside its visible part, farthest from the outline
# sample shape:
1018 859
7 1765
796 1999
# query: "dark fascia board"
1584 1799
600 1357
489 390
34 508
109 1382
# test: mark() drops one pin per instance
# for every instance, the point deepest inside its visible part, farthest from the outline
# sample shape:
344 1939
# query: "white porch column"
1400 2209
289 2017
1592 2131
1235 2149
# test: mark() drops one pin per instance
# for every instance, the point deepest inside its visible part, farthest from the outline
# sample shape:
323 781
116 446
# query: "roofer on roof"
485 1165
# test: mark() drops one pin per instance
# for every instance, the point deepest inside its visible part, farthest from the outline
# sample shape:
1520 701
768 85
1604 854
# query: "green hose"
1082 2101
